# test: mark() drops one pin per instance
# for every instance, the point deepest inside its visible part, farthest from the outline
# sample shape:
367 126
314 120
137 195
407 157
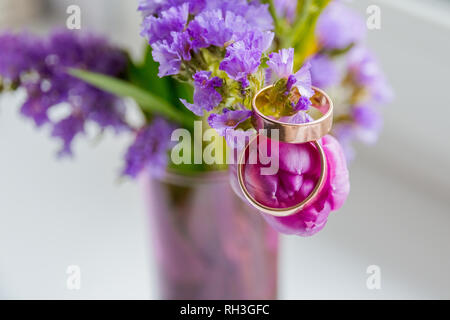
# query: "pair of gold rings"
310 132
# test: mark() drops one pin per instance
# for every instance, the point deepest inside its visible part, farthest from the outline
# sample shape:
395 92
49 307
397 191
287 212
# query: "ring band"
283 212
297 133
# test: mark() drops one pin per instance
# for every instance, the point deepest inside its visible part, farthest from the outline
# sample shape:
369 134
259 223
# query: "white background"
59 213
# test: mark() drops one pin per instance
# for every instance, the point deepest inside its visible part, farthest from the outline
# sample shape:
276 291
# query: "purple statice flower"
366 116
257 15
48 84
302 104
170 42
366 72
206 96
290 83
339 26
171 54
216 28
66 130
226 124
243 57
304 82
241 61
368 123
365 126
286 9
160 28
150 7
38 102
324 72
363 66
155 7
258 40
298 118
168 58
230 119
176 27
19 53
282 63
345 133
69 50
149 150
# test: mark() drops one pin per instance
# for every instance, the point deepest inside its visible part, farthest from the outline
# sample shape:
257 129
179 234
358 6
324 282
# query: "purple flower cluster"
243 57
365 126
19 53
324 72
206 96
178 31
339 27
193 38
229 120
341 30
366 76
286 9
149 150
281 65
40 66
366 72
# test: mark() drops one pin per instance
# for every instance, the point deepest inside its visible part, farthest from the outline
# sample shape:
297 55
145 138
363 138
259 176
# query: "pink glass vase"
209 244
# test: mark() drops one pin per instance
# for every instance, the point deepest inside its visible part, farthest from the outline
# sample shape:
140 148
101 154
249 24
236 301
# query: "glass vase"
208 243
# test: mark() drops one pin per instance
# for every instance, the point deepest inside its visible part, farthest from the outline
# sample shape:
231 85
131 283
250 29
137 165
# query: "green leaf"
146 100
182 90
273 13
145 75
308 12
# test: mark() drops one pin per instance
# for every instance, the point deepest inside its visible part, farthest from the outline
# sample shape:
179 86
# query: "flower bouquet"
220 83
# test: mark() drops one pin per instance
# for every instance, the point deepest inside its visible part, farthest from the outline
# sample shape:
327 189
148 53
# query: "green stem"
273 13
147 101
296 31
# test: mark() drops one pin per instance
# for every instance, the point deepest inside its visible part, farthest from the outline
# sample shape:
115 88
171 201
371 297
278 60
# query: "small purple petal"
66 130
240 61
172 20
230 119
149 149
323 72
366 72
298 118
339 26
50 84
302 104
286 9
290 83
304 83
206 96
282 62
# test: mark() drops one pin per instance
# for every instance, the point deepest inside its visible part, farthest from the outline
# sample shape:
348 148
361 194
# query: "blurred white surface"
54 214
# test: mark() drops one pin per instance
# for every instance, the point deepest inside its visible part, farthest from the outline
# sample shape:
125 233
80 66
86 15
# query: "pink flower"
299 170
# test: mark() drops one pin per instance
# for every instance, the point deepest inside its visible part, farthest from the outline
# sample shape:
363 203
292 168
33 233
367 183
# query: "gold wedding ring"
297 133
310 132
